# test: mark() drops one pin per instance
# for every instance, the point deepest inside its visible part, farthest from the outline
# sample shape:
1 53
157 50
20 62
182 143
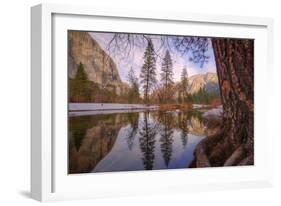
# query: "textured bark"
235 69
236 156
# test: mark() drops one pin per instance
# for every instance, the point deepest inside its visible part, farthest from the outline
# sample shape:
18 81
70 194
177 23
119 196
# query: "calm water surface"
134 141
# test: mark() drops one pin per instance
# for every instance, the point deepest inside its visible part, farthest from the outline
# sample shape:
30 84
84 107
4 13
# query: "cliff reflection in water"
133 141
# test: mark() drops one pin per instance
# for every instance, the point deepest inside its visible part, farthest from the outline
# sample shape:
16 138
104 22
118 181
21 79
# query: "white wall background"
15 100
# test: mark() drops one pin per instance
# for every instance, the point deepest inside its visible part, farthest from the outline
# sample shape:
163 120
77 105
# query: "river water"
134 141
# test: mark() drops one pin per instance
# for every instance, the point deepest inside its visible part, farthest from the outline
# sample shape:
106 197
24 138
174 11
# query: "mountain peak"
207 81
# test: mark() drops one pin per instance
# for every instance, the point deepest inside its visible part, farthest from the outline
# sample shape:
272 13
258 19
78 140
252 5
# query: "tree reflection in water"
132 131
78 136
183 125
166 132
147 134
133 141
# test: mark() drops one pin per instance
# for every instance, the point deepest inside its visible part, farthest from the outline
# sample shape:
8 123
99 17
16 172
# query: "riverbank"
108 106
116 106
81 109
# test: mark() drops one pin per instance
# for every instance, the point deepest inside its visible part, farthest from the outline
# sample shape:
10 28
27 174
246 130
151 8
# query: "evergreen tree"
80 88
167 75
134 93
167 70
81 74
148 71
184 84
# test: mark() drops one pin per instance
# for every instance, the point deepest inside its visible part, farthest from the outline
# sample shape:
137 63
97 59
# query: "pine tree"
80 88
81 74
148 71
167 70
134 84
167 76
184 83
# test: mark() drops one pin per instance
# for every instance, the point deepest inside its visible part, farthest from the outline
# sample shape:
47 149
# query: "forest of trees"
164 90
145 89
234 59
203 97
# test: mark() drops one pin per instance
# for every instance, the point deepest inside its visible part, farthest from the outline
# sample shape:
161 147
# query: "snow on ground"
199 106
82 109
107 106
95 112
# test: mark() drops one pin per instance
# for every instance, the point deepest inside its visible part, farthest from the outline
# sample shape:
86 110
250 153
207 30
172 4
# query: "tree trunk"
235 68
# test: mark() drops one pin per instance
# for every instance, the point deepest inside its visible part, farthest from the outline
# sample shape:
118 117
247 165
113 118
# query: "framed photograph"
137 102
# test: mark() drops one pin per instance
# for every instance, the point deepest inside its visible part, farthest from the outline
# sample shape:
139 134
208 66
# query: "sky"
135 59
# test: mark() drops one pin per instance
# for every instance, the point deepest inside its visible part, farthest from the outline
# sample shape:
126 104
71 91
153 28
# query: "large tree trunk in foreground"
233 145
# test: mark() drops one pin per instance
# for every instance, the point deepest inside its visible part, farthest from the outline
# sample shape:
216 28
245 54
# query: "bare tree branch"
195 47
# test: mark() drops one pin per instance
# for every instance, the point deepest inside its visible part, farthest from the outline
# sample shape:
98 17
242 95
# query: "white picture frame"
49 179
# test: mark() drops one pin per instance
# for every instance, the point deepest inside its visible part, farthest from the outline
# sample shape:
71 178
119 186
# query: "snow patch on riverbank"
199 106
84 109
107 106
89 113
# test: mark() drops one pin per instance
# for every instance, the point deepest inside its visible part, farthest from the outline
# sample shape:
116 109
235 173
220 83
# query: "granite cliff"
208 82
98 65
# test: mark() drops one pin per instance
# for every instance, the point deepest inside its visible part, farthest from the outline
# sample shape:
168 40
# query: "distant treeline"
202 97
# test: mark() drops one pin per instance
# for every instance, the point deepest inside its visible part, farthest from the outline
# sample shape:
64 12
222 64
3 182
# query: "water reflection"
133 141
132 131
147 141
183 125
166 132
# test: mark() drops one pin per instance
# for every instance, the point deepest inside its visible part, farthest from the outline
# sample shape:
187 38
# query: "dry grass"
215 102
